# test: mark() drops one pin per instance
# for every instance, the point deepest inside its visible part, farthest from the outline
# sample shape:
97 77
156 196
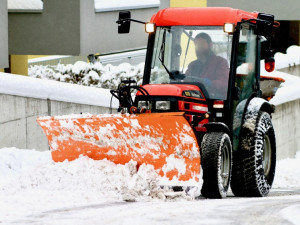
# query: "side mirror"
124 22
270 64
264 24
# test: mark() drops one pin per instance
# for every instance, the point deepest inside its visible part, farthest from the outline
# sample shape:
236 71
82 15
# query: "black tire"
254 164
216 160
237 183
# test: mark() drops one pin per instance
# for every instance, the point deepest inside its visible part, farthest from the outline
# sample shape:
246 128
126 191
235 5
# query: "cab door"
245 76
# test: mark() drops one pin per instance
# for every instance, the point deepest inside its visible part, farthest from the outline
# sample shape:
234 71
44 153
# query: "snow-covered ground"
35 190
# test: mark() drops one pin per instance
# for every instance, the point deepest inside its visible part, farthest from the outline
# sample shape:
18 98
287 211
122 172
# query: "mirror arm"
128 19
255 20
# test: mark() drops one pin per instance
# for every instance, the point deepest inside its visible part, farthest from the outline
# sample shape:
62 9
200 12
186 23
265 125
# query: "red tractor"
200 98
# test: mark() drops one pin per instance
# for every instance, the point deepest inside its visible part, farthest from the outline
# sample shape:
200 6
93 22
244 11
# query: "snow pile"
288 173
30 181
291 58
288 90
95 75
31 184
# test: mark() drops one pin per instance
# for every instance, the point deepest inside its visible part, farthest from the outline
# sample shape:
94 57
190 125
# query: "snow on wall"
47 89
95 75
292 57
25 4
114 5
288 91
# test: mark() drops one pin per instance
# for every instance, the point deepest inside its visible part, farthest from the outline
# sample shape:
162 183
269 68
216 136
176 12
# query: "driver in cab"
209 69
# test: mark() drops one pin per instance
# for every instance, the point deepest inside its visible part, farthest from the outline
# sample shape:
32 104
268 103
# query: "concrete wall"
3 35
99 31
283 10
18 119
286 122
55 31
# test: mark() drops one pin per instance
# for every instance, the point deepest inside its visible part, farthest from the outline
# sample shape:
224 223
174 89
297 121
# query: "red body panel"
214 16
170 90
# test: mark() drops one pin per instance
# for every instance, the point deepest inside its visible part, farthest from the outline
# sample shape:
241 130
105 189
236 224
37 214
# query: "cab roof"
206 16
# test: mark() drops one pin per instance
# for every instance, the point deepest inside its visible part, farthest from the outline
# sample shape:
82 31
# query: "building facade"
83 27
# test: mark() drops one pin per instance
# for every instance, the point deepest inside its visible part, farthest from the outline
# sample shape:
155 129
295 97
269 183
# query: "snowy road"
35 190
281 207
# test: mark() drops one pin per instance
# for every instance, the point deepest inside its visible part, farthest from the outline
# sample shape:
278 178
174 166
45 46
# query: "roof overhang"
209 16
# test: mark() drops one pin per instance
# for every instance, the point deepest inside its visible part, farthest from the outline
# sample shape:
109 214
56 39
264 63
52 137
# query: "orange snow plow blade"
164 140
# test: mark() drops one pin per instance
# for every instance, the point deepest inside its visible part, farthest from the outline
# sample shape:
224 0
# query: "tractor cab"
203 61
198 55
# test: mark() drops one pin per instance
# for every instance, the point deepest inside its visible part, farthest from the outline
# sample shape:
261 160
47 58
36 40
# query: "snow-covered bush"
96 75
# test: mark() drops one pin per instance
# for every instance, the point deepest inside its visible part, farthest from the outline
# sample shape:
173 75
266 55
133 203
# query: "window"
246 62
193 54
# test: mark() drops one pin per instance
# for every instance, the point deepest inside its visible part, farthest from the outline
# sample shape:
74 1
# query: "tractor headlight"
142 104
229 28
149 27
163 105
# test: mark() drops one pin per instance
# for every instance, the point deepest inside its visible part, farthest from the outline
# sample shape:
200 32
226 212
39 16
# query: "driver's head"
203 44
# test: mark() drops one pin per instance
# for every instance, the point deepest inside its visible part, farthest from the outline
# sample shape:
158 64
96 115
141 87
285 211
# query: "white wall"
286 121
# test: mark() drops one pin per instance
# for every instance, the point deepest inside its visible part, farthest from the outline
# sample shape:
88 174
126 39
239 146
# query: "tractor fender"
246 114
254 107
260 104
216 127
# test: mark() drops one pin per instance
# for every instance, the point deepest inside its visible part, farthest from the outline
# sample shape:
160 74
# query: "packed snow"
31 184
291 214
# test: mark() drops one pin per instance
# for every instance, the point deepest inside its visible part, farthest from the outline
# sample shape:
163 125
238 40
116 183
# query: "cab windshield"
197 55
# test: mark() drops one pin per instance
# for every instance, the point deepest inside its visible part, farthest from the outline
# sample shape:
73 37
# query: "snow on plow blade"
269 85
164 140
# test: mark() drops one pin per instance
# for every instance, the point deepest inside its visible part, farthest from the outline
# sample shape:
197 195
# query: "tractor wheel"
216 160
254 170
